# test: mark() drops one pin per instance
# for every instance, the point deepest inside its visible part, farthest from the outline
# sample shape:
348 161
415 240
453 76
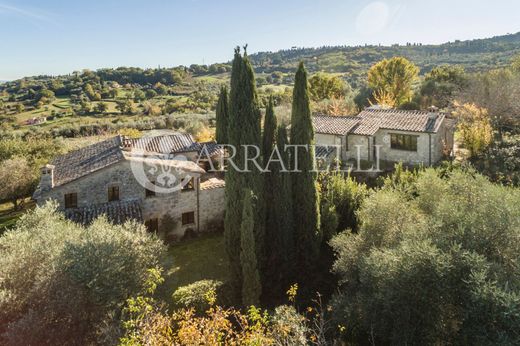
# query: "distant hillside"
474 55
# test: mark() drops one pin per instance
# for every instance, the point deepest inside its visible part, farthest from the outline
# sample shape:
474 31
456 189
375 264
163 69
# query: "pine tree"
222 116
243 128
251 286
304 185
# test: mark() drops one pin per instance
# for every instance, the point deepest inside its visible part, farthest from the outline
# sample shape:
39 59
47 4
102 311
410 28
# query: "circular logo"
155 166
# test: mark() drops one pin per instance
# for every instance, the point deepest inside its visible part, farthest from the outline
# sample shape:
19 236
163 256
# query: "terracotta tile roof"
211 148
81 162
116 212
371 120
165 144
86 160
334 125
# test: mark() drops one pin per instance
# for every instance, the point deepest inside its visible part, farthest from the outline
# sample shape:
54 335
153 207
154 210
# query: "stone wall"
212 202
207 205
386 153
332 140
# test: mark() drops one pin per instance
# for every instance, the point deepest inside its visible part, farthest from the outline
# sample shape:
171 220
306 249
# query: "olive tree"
434 263
61 283
18 180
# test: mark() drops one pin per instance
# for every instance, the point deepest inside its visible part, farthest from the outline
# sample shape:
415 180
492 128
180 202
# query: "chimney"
47 178
126 144
433 112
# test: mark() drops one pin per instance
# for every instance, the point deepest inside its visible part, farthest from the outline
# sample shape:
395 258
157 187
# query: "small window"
188 218
150 192
113 193
403 142
71 200
152 225
189 186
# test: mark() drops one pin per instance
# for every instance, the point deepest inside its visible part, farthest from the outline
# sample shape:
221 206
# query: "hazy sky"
60 36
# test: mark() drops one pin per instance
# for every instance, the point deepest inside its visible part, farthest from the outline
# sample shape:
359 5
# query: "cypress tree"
251 287
280 249
243 128
269 133
222 116
304 185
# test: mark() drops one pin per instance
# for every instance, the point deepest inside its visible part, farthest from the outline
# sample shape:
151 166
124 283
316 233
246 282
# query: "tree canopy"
445 271
61 283
392 80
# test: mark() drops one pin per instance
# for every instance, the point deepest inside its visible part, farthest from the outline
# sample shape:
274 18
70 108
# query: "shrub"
197 295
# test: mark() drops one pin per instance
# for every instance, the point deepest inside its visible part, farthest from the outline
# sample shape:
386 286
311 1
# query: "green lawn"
193 260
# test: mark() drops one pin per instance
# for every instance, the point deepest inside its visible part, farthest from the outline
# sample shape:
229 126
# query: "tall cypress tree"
304 185
268 136
234 193
280 247
243 129
251 286
222 116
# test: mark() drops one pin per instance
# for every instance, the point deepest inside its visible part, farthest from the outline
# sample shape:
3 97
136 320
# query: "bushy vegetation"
61 283
435 261
501 161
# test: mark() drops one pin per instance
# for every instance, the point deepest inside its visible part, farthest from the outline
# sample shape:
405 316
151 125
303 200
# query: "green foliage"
243 129
474 127
441 85
101 107
222 116
433 264
196 295
279 238
61 283
501 161
345 196
393 78
304 187
251 285
323 86
269 133
18 180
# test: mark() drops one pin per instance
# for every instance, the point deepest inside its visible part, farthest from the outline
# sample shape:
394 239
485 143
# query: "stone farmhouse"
411 137
100 180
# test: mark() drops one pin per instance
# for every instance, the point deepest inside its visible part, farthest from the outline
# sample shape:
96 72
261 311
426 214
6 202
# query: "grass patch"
193 260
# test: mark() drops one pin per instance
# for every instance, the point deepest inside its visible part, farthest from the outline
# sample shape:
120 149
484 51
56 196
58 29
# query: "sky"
61 36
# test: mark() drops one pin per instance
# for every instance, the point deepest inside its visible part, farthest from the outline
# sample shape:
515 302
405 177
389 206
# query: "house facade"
411 137
101 179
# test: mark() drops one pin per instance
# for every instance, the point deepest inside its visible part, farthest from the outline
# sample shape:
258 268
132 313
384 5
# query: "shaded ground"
193 260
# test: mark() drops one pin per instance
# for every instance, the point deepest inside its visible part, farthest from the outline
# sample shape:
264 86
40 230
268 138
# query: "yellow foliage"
474 126
205 135
334 106
129 132
292 292
392 80
383 98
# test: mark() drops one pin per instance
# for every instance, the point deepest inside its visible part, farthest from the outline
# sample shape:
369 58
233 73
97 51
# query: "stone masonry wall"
93 189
